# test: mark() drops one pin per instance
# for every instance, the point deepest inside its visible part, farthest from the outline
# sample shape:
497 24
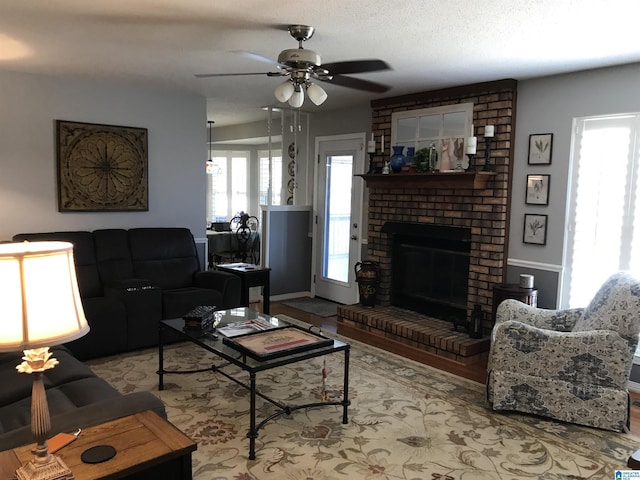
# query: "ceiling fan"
302 65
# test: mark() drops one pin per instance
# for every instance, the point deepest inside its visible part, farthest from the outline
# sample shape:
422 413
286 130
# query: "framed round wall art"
101 167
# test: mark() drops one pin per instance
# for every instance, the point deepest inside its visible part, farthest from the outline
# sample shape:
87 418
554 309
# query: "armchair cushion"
571 365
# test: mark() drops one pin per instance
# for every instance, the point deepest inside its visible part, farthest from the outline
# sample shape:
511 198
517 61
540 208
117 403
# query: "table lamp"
40 307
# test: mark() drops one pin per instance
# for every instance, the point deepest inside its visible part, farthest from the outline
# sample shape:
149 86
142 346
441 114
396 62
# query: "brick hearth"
414 330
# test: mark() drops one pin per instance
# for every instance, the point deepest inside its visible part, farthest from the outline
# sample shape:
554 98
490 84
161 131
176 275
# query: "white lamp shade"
297 99
316 94
41 303
284 91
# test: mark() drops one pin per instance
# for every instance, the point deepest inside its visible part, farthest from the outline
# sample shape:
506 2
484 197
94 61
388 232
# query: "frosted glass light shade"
284 91
316 94
297 99
41 303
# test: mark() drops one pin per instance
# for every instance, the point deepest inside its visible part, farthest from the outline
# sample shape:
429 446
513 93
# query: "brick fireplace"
476 201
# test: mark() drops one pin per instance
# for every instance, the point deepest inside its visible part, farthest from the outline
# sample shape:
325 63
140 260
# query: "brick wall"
484 210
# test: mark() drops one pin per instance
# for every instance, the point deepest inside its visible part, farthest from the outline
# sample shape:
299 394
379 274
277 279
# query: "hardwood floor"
476 372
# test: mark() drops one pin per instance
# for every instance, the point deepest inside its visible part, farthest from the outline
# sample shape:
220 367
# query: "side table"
504 291
250 276
147 446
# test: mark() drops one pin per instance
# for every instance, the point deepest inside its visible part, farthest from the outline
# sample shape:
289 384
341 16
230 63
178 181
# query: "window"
228 185
603 229
446 127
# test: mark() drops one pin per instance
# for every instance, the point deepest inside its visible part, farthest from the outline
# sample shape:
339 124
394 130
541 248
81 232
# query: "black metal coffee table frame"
213 344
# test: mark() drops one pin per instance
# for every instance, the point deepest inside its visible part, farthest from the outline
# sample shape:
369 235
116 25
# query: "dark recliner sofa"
131 279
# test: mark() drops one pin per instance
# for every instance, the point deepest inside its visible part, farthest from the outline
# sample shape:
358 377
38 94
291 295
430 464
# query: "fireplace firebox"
430 269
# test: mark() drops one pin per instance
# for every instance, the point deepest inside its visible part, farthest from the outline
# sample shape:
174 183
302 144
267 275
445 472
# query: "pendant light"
209 162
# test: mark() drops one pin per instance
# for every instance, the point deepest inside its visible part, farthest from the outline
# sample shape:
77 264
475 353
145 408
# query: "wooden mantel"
475 180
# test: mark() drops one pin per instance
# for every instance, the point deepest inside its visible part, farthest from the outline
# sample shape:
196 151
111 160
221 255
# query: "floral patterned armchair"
570 365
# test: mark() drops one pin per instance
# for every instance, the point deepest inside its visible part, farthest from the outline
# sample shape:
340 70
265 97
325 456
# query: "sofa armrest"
226 283
558 320
87 416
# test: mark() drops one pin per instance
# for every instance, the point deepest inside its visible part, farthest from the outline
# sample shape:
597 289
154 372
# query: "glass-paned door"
339 205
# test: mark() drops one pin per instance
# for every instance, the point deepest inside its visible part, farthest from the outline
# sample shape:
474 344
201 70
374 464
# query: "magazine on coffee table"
277 342
246 326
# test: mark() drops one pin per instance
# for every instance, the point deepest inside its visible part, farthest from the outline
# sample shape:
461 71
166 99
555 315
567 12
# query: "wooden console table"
147 446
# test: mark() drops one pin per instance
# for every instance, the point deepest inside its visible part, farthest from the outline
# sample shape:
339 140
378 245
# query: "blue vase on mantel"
397 159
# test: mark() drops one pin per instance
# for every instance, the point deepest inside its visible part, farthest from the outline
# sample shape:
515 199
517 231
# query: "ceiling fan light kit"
302 65
293 93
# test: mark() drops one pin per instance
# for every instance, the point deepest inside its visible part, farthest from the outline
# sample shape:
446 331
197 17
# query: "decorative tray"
277 342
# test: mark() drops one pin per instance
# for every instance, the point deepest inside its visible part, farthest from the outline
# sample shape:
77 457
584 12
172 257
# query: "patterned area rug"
406 421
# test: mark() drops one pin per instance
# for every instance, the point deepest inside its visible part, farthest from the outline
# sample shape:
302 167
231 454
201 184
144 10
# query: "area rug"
317 306
406 421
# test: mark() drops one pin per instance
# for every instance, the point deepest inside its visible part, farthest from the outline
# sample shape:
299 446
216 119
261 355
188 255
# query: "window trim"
632 190
466 108
229 155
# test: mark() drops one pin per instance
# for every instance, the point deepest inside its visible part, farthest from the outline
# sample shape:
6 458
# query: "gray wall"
324 123
176 124
549 105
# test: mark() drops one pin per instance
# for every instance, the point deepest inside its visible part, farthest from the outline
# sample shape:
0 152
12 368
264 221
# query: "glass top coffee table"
274 343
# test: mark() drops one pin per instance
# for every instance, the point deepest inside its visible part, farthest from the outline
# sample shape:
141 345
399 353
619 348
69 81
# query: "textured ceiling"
429 44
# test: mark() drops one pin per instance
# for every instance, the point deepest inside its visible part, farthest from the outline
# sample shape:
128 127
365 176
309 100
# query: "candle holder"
371 169
472 162
488 166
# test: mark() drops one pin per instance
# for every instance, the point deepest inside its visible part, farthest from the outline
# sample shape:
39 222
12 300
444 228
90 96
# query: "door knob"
354 237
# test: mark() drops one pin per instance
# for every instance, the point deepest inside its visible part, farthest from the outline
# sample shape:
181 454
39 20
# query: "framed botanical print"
540 146
537 189
535 229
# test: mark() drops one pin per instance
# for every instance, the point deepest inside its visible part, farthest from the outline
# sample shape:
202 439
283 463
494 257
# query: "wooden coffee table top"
141 440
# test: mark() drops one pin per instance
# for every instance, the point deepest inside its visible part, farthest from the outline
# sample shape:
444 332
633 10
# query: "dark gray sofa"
131 279
77 398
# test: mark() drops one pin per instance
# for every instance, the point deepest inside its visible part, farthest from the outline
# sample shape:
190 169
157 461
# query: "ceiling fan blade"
268 74
260 58
356 66
357 83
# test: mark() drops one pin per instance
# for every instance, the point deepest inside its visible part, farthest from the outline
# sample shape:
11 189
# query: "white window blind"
602 236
